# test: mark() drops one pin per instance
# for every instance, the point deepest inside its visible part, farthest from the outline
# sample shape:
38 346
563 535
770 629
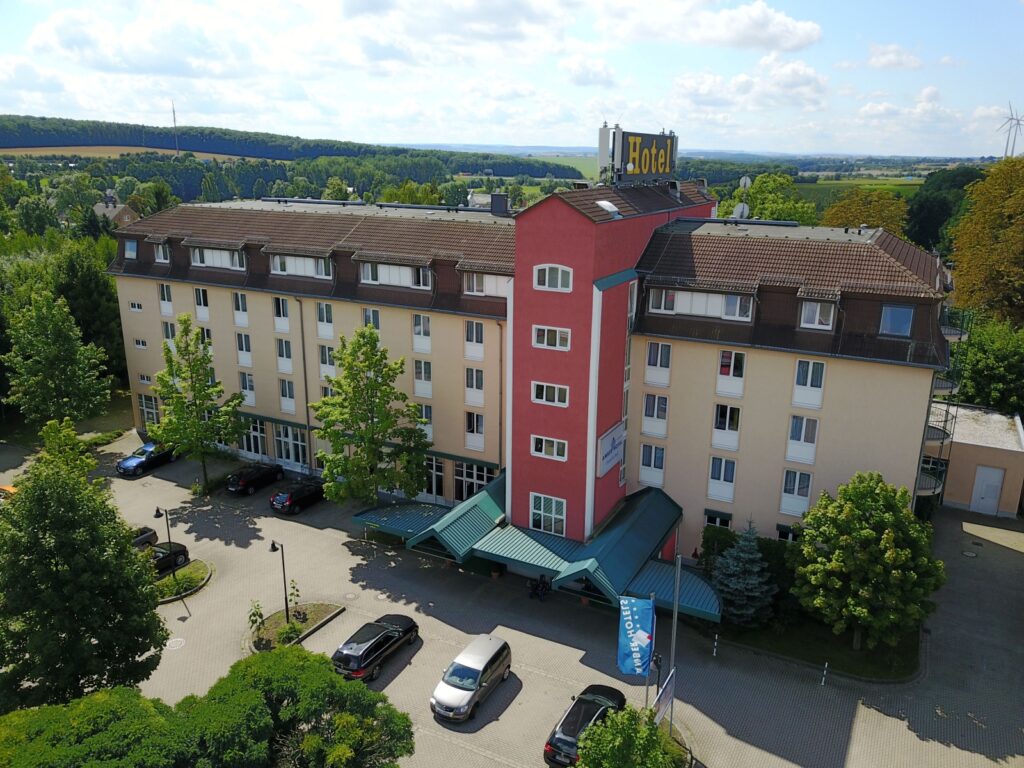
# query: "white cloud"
929 95
584 70
949 60
892 56
875 109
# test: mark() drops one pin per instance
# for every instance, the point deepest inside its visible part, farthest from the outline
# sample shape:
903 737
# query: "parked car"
588 708
471 678
363 654
251 477
144 458
144 537
295 497
168 555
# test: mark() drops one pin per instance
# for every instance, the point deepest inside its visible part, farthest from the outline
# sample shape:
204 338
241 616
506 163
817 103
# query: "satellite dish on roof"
741 211
745 182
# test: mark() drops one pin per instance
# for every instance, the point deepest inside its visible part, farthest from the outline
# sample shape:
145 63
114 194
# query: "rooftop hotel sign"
625 157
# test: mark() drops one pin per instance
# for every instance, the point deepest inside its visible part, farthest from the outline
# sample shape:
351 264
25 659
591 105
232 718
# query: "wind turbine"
1013 125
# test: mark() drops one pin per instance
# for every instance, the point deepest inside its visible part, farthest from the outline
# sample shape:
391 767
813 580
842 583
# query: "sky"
881 77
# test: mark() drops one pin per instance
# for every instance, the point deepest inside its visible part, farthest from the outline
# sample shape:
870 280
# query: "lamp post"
166 515
274 547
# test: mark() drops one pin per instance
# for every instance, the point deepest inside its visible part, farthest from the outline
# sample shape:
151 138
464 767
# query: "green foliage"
288 633
35 215
864 562
52 373
374 431
125 186
11 189
116 727
993 366
515 195
989 240
628 737
410 192
77 612
256 617
294 596
73 195
743 582
714 540
772 196
182 580
776 556
194 420
454 193
336 189
873 207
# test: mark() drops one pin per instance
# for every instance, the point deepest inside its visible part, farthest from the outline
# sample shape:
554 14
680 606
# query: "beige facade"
871 417
442 355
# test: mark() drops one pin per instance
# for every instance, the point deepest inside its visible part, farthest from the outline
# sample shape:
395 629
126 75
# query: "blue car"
145 458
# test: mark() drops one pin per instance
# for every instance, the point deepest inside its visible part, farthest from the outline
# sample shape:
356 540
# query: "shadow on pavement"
491 710
394 666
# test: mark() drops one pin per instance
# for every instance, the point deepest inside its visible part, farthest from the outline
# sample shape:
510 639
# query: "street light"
274 546
166 515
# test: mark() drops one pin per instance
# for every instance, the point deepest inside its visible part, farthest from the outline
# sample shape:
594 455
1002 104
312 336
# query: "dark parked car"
362 655
145 458
252 477
168 555
294 498
588 708
144 537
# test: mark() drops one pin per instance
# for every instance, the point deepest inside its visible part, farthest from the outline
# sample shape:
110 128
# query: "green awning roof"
466 524
696 597
404 519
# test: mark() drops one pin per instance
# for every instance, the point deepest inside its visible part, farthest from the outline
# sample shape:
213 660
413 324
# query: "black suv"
251 477
295 497
362 655
167 557
588 708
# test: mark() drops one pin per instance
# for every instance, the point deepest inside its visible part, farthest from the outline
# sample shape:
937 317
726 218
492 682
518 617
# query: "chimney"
499 204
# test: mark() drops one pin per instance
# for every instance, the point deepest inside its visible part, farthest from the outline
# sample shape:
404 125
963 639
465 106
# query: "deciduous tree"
336 189
194 419
628 737
52 373
993 366
376 439
74 194
873 207
35 215
77 611
772 196
864 562
988 243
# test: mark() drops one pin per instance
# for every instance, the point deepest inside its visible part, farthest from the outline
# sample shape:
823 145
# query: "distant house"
119 214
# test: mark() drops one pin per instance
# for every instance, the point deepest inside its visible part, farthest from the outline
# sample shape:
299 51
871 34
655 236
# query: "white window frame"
422 278
726 437
324 320
278 264
327 365
371 316
427 414
323 267
795 502
149 409
240 309
421 333
542 274
473 283
659 373
474 387
652 464
282 324
742 302
802 448
814 316
553 519
369 273
549 448
145 378
286 390
247 386
135 306
549 394
255 436
473 346
141 344
243 345
202 299
807 395
474 425
730 383
718 519
552 333
422 375
662 301
720 488
290 445
162 253
652 423
284 355
165 295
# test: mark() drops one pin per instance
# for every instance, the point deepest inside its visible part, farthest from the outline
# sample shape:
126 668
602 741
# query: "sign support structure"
654 637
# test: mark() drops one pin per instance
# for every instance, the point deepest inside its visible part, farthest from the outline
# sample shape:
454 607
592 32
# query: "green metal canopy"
403 519
466 524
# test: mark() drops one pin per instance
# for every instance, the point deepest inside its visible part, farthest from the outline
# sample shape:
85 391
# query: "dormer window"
301 266
218 257
131 248
897 320
162 253
663 301
817 315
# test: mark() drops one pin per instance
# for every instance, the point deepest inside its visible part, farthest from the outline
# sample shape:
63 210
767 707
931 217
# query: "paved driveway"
738 709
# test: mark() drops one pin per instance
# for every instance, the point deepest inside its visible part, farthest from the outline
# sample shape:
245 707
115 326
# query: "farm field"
102 151
586 164
824 193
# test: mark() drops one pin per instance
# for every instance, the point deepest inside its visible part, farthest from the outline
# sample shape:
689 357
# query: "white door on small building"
988 485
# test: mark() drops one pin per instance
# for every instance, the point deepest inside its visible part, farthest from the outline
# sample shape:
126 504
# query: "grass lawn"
265 638
585 164
118 418
826 192
813 642
182 580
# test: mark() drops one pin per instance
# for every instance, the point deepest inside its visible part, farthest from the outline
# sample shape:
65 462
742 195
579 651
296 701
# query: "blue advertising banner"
636 635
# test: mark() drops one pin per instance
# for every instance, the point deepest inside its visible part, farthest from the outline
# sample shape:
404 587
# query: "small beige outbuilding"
986 461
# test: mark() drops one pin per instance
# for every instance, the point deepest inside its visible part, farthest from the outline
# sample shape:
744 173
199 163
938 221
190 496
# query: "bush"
678 755
187 579
776 556
288 633
714 541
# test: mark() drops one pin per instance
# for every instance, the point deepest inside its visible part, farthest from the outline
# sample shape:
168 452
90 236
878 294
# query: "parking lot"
736 708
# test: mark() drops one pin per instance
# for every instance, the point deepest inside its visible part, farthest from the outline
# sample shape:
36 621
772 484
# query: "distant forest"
27 131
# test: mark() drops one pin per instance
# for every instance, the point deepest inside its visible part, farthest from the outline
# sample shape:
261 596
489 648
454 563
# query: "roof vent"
609 206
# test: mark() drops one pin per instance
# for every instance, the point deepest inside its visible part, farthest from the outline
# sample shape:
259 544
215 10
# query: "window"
421 370
547 513
726 306
145 378
422 376
435 477
243 342
474 332
241 303
655 415
324 312
549 277
148 409
817 314
237 260
475 386
809 383
326 391
165 292
323 267
663 300
254 439
803 429
170 331
371 317
726 433
421 333
287 390
368 272
284 349
202 298
551 338
198 257
426 412
217 257
140 344
549 448
279 265
327 356
785 533
135 306
474 431
717 519
721 478
896 320
422 278
470 479
290 444
652 456
207 335
796 492
659 358
131 249
162 253
731 364
737 307
550 394
247 386
473 283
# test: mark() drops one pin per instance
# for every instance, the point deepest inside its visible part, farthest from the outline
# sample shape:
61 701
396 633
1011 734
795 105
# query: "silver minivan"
471 678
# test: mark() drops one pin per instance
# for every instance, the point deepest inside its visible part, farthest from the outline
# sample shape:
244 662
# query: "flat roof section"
352 207
980 426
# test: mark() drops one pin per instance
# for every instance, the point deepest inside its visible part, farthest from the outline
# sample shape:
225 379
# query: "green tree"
194 420
993 366
336 189
988 243
211 194
110 727
927 213
376 439
74 194
11 189
772 196
743 582
625 738
52 373
35 215
259 189
864 562
454 193
516 195
873 207
78 606
125 186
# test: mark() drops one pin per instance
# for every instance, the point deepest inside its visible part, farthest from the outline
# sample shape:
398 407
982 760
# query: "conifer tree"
743 582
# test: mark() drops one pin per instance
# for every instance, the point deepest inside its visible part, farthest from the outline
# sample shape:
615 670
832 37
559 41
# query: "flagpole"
650 655
675 626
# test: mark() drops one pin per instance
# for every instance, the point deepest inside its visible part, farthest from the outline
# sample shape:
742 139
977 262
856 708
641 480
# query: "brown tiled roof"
818 261
632 201
346 230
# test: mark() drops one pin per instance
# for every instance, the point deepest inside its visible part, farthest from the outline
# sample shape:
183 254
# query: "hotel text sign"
611 448
645 156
